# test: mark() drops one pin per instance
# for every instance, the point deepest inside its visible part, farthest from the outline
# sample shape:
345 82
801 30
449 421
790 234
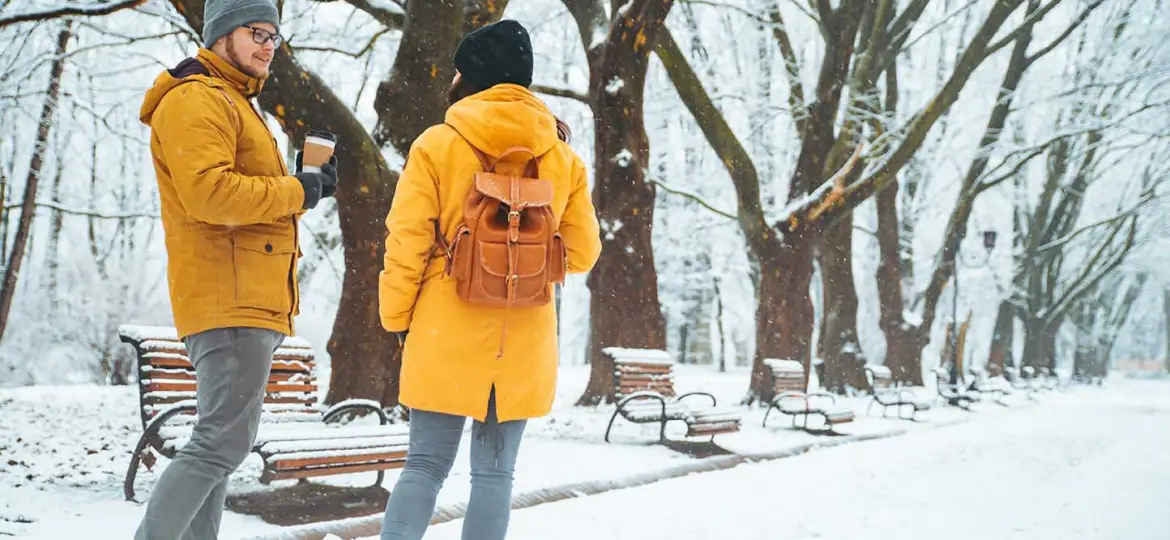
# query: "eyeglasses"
261 36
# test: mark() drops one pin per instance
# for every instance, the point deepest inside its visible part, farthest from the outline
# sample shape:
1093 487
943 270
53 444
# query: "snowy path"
1089 464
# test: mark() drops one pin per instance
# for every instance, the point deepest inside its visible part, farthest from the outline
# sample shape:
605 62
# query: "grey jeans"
231 372
434 441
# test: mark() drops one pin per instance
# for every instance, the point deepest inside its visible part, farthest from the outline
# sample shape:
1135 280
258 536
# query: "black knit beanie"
497 53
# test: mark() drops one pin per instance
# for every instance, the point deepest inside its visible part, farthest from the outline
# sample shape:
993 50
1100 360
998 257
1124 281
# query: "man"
229 210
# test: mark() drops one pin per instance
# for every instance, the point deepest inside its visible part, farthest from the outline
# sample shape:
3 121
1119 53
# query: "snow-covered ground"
1090 464
64 451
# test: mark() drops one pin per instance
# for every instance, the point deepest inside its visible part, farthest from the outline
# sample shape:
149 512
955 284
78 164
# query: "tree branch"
791 68
1087 280
365 50
72 10
1067 32
718 133
694 197
561 93
1100 223
922 122
391 15
86 212
744 11
1025 26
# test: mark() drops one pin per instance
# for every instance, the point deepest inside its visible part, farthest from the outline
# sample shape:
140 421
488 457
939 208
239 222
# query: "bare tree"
40 148
1099 319
78 9
784 249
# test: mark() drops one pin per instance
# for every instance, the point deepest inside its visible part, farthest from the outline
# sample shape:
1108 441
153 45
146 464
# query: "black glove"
327 191
318 184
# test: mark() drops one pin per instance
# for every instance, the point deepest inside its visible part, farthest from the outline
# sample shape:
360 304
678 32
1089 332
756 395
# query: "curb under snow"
371 525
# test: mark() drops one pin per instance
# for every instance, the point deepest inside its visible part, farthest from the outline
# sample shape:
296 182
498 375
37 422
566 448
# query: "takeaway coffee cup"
318 149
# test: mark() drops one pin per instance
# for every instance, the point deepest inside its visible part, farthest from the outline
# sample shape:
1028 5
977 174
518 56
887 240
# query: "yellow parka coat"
450 362
229 206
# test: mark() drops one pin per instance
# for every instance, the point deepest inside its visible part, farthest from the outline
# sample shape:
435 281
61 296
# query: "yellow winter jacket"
229 206
449 363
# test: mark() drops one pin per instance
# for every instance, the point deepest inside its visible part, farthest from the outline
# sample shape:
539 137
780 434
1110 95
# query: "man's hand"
329 191
318 184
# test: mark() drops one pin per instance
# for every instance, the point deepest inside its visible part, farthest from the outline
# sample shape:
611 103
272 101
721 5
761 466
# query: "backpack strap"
489 164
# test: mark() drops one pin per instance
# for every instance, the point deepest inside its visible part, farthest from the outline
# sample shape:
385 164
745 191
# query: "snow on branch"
69 10
390 13
828 195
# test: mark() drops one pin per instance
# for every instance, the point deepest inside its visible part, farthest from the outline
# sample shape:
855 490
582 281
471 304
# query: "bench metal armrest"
832 397
907 395
356 404
790 395
642 394
688 394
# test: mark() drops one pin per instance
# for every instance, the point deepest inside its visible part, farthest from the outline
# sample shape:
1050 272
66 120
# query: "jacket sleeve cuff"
296 194
400 323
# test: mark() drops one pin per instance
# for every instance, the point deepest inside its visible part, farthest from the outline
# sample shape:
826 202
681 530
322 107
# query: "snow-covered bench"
643 386
887 394
793 399
981 382
954 394
296 439
1024 379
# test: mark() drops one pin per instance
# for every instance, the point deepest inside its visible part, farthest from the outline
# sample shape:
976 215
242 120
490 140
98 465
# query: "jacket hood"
206 67
504 116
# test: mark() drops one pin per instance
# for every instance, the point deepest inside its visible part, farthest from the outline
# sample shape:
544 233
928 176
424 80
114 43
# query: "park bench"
297 436
887 394
643 386
999 388
791 398
954 394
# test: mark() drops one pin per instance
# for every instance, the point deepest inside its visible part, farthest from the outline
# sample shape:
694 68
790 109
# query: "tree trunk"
40 148
5 214
1166 312
904 342
362 353
719 327
1040 344
784 313
999 356
844 362
624 303
55 222
414 97
1088 338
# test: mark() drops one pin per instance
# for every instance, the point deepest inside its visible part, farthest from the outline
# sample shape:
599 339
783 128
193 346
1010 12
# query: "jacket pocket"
262 264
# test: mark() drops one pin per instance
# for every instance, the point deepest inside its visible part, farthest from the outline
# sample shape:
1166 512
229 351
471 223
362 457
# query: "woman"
458 361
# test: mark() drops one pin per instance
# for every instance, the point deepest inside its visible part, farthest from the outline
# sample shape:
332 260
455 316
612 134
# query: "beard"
237 62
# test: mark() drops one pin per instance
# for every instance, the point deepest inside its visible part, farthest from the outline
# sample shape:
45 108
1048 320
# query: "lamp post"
988 246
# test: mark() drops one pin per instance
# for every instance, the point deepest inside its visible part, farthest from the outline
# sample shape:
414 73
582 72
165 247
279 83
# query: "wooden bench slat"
189 375
297 366
189 386
327 471
292 464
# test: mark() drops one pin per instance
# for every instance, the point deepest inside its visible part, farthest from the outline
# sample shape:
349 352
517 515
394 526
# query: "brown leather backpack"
507 252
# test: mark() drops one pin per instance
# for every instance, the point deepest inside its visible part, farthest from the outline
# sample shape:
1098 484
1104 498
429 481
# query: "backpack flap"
516 192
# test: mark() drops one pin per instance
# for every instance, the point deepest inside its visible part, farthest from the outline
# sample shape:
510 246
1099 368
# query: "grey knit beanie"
221 17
